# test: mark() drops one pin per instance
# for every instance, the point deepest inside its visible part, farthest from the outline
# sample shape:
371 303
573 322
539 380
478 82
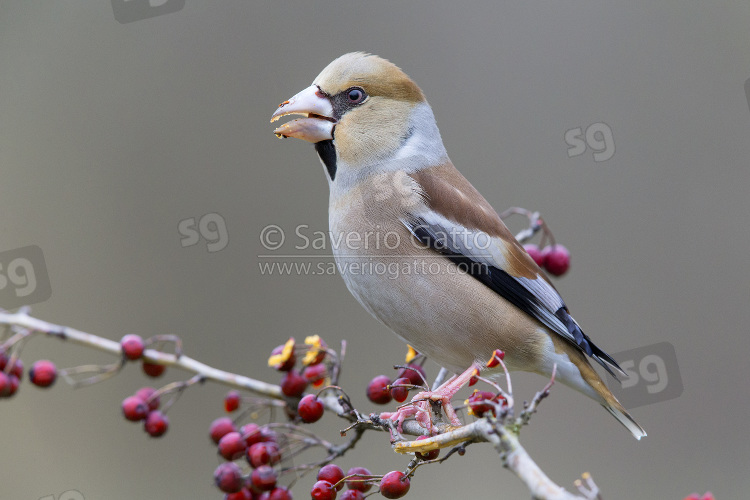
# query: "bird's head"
360 111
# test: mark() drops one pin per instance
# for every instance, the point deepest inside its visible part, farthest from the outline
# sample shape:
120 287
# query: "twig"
590 491
525 416
441 376
35 326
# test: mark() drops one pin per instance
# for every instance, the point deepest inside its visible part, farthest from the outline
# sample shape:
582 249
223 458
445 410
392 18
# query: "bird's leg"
420 404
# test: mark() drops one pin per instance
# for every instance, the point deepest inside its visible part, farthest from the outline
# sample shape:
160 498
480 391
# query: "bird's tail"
576 371
622 416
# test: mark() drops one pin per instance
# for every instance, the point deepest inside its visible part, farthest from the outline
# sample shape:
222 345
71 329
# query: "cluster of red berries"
259 446
695 496
132 349
331 480
294 383
42 374
381 390
144 405
554 258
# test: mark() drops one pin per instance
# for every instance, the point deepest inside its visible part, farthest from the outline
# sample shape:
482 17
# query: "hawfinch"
421 249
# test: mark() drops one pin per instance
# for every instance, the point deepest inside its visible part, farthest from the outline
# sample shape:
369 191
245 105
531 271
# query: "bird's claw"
421 409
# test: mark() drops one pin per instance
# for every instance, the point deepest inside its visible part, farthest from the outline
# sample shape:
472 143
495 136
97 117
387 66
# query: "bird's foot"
421 405
420 410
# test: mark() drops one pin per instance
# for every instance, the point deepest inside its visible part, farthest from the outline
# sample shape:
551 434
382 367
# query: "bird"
421 249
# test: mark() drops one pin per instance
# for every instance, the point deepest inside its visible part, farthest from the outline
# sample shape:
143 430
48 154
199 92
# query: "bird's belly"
428 302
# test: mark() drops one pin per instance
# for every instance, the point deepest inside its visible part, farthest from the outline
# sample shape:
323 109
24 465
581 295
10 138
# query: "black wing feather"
512 290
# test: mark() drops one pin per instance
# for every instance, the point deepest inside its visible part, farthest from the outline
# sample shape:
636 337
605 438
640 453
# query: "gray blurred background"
113 132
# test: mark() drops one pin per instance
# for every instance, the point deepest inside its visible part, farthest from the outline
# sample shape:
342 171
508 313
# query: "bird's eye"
356 95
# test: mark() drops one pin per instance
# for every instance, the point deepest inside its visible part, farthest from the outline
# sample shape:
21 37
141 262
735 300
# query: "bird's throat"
327 153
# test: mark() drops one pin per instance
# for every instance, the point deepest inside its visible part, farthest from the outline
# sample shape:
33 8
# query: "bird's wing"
457 222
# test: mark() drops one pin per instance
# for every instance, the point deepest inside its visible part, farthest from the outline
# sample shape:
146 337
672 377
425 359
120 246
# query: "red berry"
145 394
228 477
231 401
352 495
377 390
400 393
414 373
497 356
693 496
394 485
557 261
333 474
708 496
317 352
280 494
310 409
482 401
43 373
251 434
315 374
535 253
243 494
153 369
132 346
134 408
263 478
428 455
263 454
4 384
4 359
232 446
220 428
323 490
14 383
268 435
358 483
156 424
286 365
545 252
293 384
17 369
8 384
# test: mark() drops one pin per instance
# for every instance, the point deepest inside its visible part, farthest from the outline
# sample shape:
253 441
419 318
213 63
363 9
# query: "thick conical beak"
318 123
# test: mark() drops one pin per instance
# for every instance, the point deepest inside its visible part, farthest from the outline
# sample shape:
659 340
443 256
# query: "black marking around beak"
327 153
